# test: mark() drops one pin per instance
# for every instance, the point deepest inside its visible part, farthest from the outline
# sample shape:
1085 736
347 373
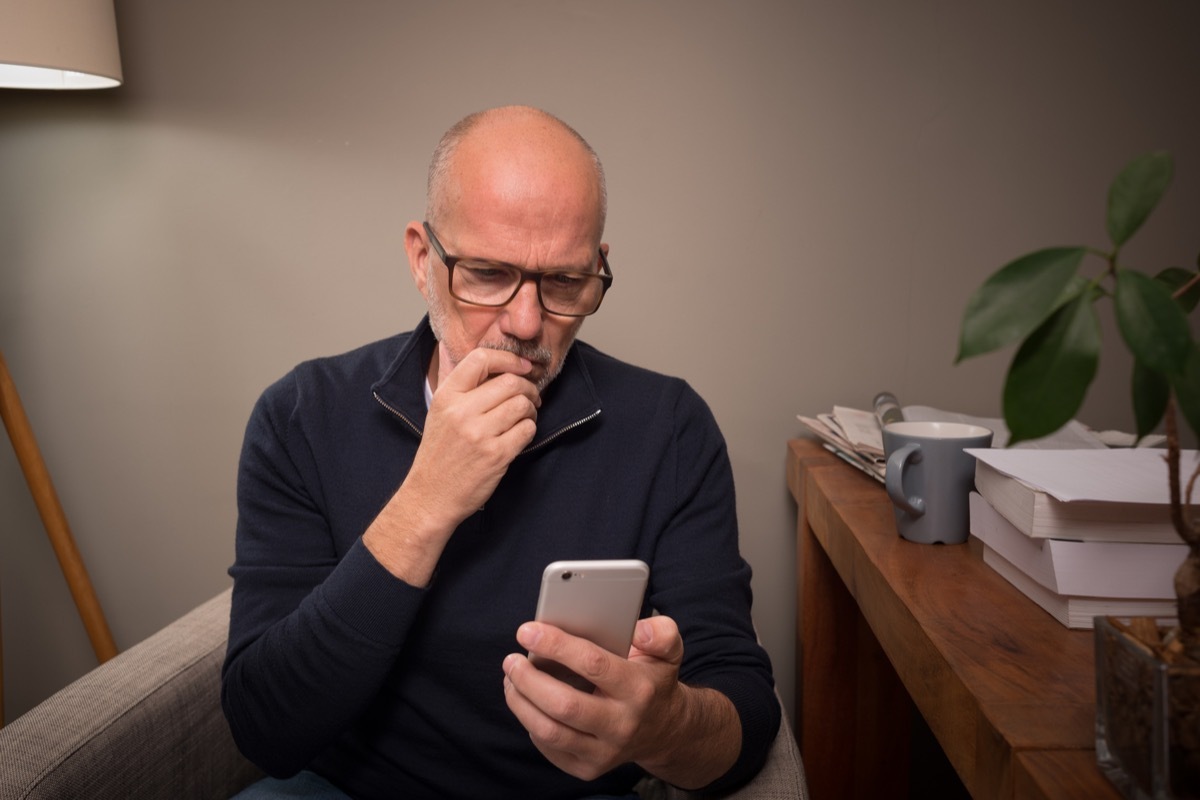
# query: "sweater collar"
568 402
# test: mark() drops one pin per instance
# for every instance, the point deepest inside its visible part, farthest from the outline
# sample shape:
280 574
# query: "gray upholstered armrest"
147 724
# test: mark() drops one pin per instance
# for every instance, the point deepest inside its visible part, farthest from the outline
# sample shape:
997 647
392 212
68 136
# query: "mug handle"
894 478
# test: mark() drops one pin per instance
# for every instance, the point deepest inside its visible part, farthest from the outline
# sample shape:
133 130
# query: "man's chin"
540 377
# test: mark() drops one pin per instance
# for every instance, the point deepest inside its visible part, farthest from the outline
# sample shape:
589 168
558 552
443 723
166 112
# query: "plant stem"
1182 290
1177 513
1187 579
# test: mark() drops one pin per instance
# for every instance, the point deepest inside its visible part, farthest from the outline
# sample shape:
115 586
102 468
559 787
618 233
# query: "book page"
1131 475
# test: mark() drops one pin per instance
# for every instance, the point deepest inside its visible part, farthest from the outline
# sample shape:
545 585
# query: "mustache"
528 350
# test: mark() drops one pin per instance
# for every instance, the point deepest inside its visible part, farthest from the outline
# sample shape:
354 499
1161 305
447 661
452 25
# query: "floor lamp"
55 44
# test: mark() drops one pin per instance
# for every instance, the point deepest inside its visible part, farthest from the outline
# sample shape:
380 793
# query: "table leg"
852 713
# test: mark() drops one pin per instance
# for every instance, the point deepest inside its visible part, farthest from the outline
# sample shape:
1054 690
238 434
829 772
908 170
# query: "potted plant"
1148 679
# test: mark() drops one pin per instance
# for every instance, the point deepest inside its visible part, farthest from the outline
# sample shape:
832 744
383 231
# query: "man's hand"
483 415
639 712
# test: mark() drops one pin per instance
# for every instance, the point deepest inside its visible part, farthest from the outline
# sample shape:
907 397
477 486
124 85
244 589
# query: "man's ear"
417 249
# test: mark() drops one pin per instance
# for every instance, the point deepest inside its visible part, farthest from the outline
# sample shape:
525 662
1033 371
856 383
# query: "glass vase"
1147 719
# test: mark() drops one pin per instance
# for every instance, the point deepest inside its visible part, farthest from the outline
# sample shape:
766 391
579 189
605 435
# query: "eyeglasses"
494 283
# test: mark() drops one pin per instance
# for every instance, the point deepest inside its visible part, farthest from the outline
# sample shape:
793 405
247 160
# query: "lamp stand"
54 520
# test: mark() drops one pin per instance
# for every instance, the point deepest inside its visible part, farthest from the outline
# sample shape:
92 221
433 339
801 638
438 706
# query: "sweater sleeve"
313 633
702 582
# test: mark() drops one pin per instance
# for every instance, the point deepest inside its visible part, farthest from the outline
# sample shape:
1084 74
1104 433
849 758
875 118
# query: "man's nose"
524 313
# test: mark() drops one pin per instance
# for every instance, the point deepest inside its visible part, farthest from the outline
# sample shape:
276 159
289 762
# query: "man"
398 503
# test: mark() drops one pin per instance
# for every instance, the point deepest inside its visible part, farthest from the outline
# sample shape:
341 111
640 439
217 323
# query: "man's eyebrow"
552 268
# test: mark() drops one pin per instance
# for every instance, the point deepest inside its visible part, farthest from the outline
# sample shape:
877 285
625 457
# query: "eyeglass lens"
571 293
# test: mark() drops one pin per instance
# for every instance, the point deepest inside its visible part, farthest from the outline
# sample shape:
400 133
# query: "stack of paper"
853 435
1081 532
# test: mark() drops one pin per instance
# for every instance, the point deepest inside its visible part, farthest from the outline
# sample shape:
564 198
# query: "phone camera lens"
566 576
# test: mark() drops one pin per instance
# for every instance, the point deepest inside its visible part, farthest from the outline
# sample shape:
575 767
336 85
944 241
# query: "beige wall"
802 197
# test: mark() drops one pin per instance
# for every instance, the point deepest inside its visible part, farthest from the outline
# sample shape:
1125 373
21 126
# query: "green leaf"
1151 322
1077 284
1175 277
1135 192
1150 391
1051 372
1016 299
1187 390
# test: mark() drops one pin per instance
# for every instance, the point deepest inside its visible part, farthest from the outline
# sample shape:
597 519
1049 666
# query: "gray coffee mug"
929 478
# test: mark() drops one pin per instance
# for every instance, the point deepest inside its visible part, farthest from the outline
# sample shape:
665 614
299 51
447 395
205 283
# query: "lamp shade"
59 44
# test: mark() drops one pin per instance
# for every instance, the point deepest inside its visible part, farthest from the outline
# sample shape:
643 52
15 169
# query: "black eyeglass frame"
606 277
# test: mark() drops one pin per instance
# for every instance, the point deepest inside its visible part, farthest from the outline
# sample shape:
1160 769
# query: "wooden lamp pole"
54 520
56 44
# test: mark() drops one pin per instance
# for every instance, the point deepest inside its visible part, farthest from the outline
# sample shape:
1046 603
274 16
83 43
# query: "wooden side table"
883 623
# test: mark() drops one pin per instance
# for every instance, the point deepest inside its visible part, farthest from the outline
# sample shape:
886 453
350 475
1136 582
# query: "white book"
1077 612
1085 569
1091 495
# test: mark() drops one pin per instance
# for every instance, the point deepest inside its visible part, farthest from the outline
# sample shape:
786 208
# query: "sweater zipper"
560 432
398 414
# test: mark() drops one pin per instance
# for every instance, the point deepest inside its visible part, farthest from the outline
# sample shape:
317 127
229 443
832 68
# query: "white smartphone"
594 600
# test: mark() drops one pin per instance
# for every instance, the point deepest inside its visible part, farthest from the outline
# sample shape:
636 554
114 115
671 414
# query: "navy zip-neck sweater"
390 690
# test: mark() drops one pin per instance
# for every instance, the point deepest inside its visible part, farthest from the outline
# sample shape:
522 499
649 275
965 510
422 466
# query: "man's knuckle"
568 709
595 663
510 381
549 733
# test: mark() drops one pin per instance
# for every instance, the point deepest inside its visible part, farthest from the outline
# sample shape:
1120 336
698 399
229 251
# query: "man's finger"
503 388
481 364
658 637
586 659
545 707
562 745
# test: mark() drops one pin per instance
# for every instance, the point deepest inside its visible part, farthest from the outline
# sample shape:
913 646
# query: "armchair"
148 724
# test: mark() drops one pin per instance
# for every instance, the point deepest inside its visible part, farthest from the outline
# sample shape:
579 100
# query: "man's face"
522 326
522 193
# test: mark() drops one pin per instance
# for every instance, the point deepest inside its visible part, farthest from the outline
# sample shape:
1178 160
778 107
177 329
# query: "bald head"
516 156
513 186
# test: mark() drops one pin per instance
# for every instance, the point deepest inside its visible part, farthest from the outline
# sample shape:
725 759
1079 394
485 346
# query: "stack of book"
1081 532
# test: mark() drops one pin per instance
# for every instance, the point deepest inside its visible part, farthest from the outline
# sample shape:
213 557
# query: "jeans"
307 785
304 784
